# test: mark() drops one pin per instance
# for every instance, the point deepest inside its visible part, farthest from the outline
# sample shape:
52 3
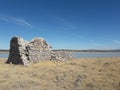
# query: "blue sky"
65 24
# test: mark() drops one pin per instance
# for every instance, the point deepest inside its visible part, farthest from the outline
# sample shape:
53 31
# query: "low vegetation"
82 74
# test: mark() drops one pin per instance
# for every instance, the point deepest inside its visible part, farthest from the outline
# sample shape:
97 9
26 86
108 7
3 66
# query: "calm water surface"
85 54
95 54
3 55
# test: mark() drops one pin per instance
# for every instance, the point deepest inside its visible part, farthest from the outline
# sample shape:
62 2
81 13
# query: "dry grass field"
82 74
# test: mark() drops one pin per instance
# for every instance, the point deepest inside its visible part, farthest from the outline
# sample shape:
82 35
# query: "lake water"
95 54
85 54
3 55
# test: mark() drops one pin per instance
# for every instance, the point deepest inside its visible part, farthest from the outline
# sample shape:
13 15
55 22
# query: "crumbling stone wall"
24 52
18 53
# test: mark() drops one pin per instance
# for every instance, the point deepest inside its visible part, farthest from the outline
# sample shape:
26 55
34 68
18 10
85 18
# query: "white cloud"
18 21
116 41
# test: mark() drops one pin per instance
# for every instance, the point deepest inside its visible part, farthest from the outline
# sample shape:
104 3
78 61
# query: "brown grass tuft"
82 74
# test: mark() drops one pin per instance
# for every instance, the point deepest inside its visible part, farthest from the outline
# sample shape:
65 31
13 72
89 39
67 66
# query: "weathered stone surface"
24 52
17 51
38 50
60 55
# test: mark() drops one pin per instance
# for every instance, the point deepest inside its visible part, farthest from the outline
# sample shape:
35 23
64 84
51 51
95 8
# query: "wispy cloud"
15 20
116 41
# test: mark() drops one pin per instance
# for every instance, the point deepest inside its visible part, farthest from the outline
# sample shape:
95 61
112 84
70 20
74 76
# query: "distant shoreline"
4 51
88 50
7 51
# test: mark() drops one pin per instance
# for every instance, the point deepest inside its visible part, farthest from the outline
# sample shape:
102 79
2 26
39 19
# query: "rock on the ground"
24 52
60 55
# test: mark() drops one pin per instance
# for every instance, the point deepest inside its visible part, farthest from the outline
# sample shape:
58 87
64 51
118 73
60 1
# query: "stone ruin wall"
24 52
